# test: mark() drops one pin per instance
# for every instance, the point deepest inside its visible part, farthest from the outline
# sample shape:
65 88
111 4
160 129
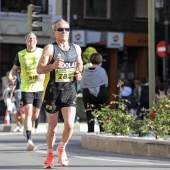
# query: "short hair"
29 33
59 20
96 58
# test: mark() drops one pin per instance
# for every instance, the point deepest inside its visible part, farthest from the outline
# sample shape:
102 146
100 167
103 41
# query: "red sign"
161 49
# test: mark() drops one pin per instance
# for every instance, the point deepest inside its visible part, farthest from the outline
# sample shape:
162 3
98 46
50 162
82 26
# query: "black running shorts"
57 97
34 98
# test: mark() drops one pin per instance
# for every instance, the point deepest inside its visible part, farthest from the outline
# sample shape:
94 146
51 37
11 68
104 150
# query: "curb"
5 128
126 145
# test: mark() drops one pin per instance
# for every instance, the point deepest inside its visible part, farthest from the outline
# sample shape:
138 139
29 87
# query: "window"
21 5
99 9
141 10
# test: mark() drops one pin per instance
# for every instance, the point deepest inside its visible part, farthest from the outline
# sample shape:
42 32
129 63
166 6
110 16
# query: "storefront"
125 57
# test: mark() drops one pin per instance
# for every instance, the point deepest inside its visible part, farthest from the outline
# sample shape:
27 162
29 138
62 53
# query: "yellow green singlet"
28 64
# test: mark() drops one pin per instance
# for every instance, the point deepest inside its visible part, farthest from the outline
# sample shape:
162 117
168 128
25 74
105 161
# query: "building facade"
13 27
117 29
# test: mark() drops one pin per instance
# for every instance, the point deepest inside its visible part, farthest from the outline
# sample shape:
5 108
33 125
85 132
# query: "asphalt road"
13 156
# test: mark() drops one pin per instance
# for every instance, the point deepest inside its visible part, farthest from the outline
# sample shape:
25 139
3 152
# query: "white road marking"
111 160
107 160
100 159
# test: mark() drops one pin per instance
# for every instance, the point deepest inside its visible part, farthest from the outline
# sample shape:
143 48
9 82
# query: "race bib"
64 75
31 77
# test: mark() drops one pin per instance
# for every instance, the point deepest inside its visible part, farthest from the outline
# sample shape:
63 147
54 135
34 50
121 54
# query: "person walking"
126 93
31 83
61 62
94 84
4 86
5 81
137 90
16 93
144 99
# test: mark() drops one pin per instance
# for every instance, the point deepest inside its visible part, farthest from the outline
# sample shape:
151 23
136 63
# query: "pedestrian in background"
4 94
62 63
126 93
144 99
31 83
94 85
16 94
137 90
5 81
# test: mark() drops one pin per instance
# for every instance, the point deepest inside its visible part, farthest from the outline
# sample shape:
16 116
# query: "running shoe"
16 129
30 145
21 129
49 161
62 160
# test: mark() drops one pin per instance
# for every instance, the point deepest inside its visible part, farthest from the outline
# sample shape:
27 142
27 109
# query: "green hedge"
120 121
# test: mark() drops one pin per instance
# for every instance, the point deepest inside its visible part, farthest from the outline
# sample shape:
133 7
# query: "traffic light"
33 18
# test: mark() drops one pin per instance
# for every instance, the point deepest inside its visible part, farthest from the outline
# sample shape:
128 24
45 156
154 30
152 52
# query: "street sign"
161 49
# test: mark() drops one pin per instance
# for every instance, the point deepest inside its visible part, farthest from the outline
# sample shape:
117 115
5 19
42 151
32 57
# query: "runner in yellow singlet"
31 82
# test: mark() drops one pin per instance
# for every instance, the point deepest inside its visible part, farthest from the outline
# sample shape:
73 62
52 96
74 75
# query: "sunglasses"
62 29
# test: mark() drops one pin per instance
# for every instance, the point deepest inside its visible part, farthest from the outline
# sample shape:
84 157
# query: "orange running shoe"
62 160
49 161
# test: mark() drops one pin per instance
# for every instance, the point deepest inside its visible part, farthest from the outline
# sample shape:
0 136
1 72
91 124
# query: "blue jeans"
17 95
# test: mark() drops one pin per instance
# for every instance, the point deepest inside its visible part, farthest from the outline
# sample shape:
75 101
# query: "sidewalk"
109 143
42 127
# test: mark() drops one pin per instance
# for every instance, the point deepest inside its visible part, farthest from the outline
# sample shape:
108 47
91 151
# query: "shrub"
114 121
140 127
159 115
120 121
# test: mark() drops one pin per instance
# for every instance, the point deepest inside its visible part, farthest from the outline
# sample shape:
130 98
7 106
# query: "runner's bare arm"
78 73
14 74
43 66
47 54
79 61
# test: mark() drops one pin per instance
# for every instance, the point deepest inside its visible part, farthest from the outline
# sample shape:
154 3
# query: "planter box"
126 145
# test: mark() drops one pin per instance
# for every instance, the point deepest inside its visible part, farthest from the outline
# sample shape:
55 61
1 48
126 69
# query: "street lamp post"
151 37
